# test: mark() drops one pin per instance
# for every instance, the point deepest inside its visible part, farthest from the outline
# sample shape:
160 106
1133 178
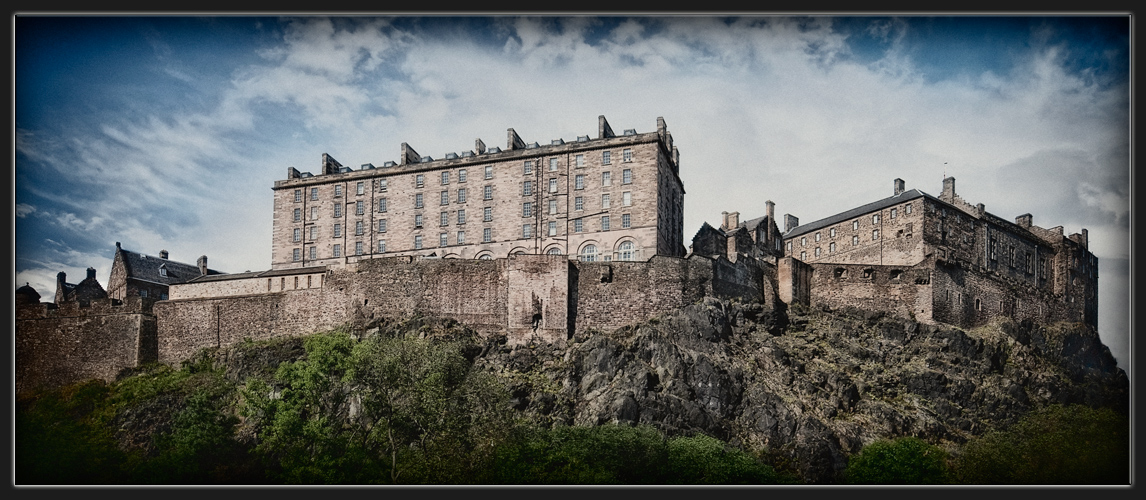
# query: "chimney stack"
770 210
202 265
948 193
790 222
898 186
733 220
479 145
163 254
91 273
1024 221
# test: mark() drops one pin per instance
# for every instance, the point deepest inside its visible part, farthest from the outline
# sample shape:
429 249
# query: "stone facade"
135 274
608 198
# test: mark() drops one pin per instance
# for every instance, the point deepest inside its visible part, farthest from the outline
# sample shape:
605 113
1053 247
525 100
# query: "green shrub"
906 460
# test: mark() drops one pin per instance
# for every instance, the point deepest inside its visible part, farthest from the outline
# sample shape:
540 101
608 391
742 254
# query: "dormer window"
163 270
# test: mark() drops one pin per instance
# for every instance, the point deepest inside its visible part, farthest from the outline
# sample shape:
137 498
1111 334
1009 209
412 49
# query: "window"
445 178
817 236
528 168
381 225
313 253
831 247
627 176
461 195
907 208
606 178
604 222
313 213
553 164
817 252
874 234
313 233
337 190
578 226
314 193
803 255
893 213
855 225
143 293
297 254
382 205
578 203
626 221
358 228
526 209
579 182
381 246
832 232
789 246
552 185
627 199
338 230
445 198
875 219
606 157
360 188
418 200
337 250
552 228
461 237
487 214
489 172
626 251
417 242
486 235
554 251
527 188
419 180
418 221
359 207
297 195
487 193
605 201
461 216
461 175
444 219
443 239
527 230
357 248
579 160
804 241
589 253
297 214
552 207
382 185
627 155
855 240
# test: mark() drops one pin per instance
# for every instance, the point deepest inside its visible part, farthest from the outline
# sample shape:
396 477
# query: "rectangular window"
817 236
358 228
443 239
313 253
444 219
461 237
314 194
487 214
604 222
552 207
381 185
360 188
627 198
313 213
527 188
461 195
579 182
418 200
832 232
626 221
627 176
461 216
297 214
580 160
578 226
552 185
579 203
527 231
297 254
831 247
527 209
418 221
313 233
338 230
627 155
606 157
357 248
553 164
445 178
527 169
359 207
461 175
606 178
381 246
381 225
297 195
419 180
855 240
855 225
417 242
489 172
874 234
893 213
875 219
337 250
445 198
606 202
486 235
382 205
907 208
487 193
552 228
337 190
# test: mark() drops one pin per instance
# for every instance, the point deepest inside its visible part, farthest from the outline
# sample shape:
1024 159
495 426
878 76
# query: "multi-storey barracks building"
603 199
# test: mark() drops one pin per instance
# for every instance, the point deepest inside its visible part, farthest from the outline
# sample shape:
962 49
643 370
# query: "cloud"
24 210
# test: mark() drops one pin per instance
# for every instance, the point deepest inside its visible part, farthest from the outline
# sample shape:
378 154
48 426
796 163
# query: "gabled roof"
861 210
147 267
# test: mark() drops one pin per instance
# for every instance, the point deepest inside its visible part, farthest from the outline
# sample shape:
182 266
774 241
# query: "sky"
169 132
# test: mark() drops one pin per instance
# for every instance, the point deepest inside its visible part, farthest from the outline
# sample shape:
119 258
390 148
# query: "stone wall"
904 291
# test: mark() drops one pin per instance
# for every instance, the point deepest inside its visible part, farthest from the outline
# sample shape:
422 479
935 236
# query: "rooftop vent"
532 145
389 164
367 166
451 156
582 138
426 159
467 154
557 142
630 131
344 170
305 175
494 149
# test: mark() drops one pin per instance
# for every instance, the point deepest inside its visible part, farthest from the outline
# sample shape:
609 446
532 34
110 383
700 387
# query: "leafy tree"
1056 445
703 459
607 454
906 460
57 441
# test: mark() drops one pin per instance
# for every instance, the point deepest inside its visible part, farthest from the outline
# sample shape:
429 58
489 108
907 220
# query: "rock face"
810 387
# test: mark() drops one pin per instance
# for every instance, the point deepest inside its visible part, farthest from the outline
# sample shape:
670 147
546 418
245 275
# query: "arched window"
485 256
589 253
627 251
554 251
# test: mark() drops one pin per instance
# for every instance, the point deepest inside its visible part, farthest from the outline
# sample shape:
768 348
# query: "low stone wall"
967 299
904 291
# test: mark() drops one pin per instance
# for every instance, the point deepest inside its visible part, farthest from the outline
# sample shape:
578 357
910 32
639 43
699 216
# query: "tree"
906 460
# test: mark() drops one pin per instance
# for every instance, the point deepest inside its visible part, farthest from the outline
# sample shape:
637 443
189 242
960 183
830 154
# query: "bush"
906 460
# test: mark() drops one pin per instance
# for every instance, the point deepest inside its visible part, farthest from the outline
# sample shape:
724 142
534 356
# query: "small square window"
527 188
419 180
486 235
552 207
418 200
357 248
527 209
313 213
605 201
313 253
461 195
578 226
360 188
297 254
461 237
578 203
461 175
381 205
359 207
606 157
443 239
297 214
314 193
382 185
487 192
627 198
313 233
297 195
553 164
606 178
855 240
461 216
580 160
418 221
552 185
489 172
381 225
487 214
875 219
526 231
337 250
855 225
445 198
338 230
604 222
627 176
627 155
528 168
381 246
337 190
358 229
445 178
444 219
417 242
552 228
579 182
626 221
893 213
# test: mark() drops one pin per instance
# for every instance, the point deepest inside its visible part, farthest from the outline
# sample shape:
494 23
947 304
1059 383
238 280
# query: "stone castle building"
542 243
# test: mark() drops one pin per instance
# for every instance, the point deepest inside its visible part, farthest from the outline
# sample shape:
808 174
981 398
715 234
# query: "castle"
541 243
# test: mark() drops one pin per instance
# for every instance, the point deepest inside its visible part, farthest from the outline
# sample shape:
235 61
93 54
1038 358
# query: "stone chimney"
733 220
790 222
1024 221
948 193
202 265
408 155
604 131
513 141
292 173
770 210
163 254
329 164
1085 239
723 220
91 273
479 146
898 183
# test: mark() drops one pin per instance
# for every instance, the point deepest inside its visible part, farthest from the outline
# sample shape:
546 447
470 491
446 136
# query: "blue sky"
168 132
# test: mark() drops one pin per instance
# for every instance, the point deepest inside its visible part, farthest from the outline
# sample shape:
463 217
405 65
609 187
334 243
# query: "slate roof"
910 194
260 274
146 267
